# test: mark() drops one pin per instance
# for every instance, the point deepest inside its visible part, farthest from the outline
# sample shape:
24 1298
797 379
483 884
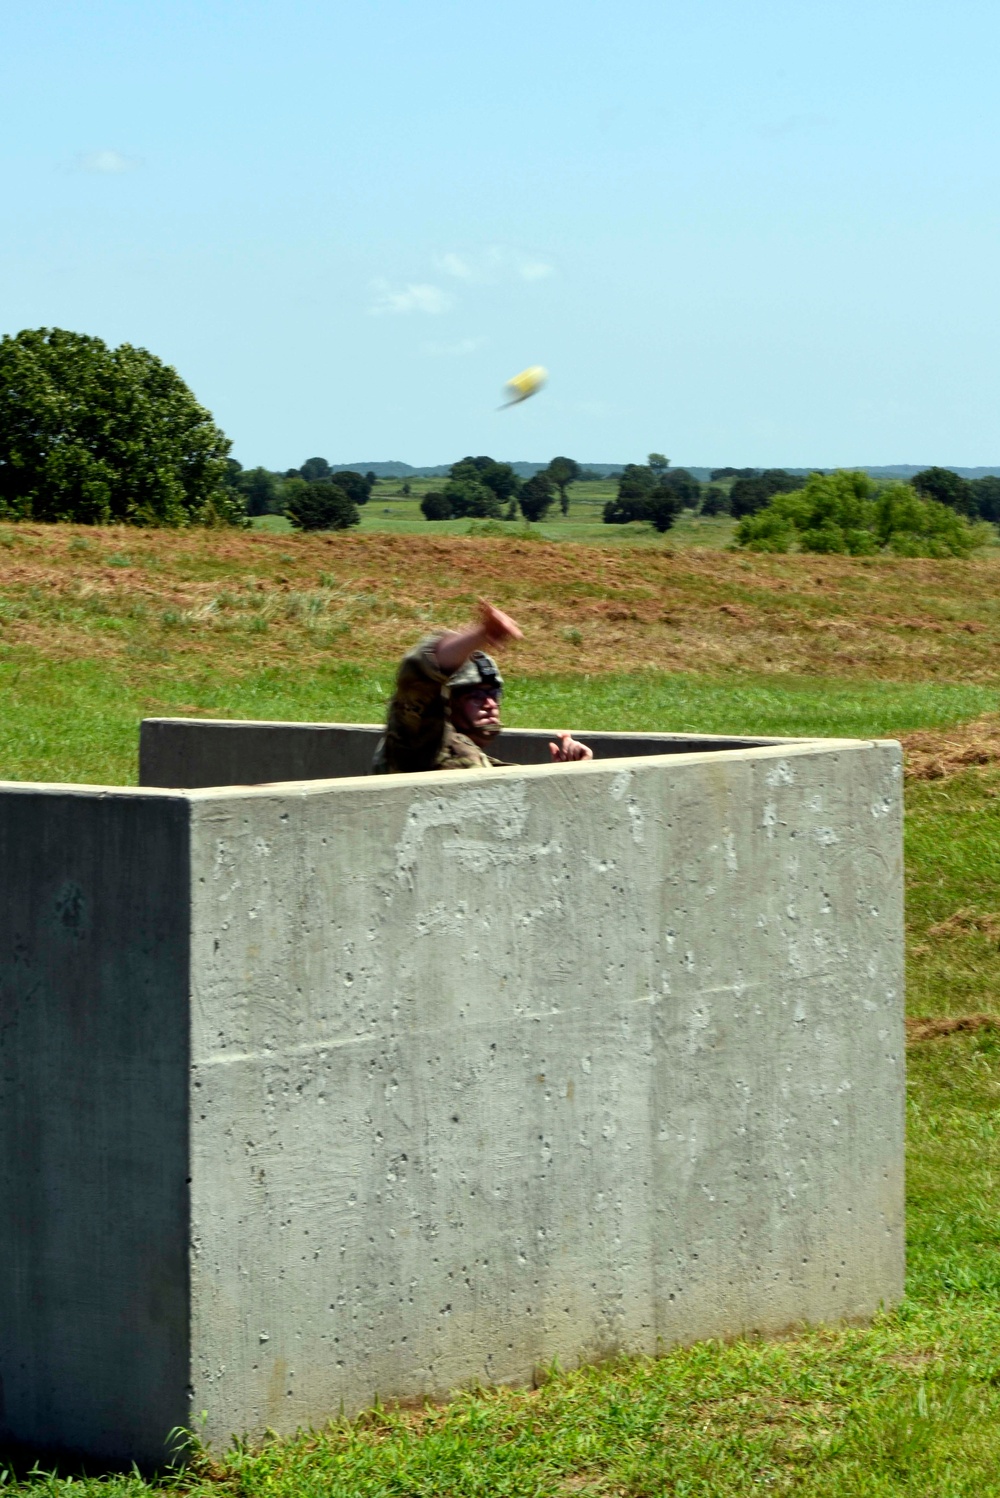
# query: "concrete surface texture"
197 752
94 1120
484 1069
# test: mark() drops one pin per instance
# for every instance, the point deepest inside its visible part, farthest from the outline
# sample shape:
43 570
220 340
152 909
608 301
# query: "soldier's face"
476 711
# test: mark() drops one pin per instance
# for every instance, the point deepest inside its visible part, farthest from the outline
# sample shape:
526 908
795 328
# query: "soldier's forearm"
455 647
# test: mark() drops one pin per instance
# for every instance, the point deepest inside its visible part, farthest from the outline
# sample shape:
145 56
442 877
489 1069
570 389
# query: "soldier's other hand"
498 625
568 748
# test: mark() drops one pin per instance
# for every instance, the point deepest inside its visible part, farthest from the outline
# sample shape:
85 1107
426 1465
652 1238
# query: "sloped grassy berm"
97 628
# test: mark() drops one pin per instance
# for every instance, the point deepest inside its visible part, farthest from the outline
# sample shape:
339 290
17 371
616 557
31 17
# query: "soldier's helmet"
480 670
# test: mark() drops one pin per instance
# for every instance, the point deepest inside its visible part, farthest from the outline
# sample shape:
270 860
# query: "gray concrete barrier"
198 752
316 1091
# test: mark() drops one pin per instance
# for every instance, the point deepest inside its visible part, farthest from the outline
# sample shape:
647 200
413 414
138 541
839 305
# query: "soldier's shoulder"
458 752
421 662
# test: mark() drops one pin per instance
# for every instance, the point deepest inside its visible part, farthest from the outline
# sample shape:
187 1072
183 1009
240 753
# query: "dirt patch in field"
943 1025
965 921
939 755
584 608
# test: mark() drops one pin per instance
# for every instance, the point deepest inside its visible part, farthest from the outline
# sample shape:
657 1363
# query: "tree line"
848 512
100 435
482 488
315 497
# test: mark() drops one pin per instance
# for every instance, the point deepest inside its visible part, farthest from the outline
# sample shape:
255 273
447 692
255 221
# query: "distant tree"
683 485
260 489
748 495
435 506
537 495
659 463
371 479
845 512
715 501
468 497
663 507
635 486
947 488
405 488
563 472
321 506
101 435
289 489
718 474
500 478
314 469
641 496
355 485
986 492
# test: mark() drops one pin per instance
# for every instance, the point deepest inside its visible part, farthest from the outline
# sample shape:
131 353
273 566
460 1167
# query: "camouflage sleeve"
415 723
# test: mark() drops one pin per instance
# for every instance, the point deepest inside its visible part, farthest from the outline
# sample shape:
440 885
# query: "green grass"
909 1406
953 856
78 720
656 701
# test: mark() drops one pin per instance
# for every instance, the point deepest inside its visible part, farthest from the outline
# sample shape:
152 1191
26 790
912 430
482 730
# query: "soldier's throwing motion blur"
445 711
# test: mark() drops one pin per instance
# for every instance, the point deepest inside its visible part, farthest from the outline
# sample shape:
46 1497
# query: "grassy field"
99 628
391 511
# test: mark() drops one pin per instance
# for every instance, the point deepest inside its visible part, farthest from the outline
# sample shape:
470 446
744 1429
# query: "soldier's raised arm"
494 628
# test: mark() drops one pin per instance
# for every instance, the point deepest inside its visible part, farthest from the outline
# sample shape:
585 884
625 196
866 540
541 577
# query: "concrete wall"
498 1069
94 1065
198 752
315 1091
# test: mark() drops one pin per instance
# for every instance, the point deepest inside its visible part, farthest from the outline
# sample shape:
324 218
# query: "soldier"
446 707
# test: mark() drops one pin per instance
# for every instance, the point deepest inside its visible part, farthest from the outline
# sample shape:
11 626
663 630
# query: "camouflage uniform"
419 734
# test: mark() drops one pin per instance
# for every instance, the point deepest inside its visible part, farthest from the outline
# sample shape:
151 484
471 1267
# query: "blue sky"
737 233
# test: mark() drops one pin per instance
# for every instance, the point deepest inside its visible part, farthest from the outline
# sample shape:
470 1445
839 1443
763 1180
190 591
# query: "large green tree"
321 506
641 496
848 512
986 492
683 486
436 506
947 488
750 494
355 485
260 488
635 484
468 497
100 435
315 469
536 495
500 478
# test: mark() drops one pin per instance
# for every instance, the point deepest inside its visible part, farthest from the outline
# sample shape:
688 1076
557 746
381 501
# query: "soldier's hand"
568 748
498 625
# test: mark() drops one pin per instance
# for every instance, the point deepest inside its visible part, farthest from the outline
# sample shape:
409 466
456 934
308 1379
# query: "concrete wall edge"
632 763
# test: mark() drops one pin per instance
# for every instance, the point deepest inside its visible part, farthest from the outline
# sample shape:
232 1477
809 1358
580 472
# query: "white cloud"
481 267
493 264
417 297
455 350
454 265
534 270
107 163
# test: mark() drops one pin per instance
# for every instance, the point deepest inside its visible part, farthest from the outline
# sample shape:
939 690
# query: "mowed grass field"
99 628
